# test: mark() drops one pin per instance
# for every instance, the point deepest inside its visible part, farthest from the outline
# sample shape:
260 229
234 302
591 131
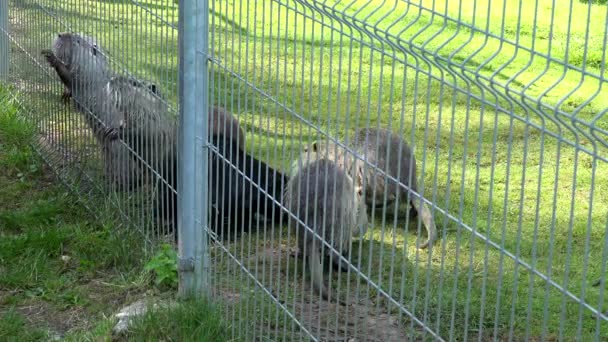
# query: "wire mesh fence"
344 136
61 55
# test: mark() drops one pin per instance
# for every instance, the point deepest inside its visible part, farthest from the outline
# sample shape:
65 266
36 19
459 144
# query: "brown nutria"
242 187
391 154
223 123
324 197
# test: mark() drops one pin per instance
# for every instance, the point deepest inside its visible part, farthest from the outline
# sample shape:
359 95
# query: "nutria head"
80 53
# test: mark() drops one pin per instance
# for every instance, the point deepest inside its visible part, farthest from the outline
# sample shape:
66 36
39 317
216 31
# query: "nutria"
82 67
391 154
145 125
324 197
326 149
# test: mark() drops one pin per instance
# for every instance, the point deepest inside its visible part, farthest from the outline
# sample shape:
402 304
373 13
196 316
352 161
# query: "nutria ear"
359 190
315 146
311 147
360 176
152 88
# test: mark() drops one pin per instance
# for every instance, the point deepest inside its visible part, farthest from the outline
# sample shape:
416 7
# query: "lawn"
65 272
499 126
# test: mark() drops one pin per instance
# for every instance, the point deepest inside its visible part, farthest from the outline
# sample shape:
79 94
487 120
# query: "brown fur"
225 124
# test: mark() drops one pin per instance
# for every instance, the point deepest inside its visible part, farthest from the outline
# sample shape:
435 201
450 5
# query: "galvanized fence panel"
129 42
501 102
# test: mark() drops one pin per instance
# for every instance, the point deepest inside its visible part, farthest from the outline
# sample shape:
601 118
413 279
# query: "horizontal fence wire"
500 102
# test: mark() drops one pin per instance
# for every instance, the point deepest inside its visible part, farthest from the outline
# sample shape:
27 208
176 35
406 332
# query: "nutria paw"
66 96
110 134
49 55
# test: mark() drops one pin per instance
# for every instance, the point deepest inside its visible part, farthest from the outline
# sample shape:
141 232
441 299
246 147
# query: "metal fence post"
193 154
4 44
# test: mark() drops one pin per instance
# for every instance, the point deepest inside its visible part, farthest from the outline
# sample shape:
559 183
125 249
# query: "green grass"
53 253
182 321
509 181
64 272
190 321
13 327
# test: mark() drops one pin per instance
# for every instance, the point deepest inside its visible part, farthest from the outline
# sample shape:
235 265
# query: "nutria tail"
427 220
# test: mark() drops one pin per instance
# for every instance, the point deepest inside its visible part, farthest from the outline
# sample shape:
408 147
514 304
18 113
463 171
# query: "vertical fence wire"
4 41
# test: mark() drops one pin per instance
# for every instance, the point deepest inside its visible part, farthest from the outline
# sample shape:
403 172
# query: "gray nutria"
141 119
391 154
137 108
325 149
324 197
79 63
146 126
83 69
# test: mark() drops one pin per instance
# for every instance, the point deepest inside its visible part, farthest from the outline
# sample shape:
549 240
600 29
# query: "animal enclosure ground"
492 178
64 272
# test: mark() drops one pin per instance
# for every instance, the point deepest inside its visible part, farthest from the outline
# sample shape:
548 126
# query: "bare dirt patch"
40 314
356 322
110 296
328 321
103 298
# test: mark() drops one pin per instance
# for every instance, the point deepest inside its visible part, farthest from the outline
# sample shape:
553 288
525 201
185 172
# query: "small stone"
126 315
